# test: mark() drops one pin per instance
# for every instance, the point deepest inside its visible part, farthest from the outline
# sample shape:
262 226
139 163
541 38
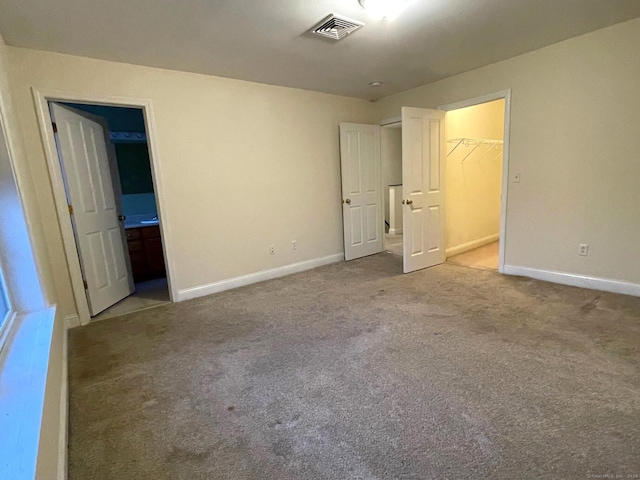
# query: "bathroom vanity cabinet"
145 252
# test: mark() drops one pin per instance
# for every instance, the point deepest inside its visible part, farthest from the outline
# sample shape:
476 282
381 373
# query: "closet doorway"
473 184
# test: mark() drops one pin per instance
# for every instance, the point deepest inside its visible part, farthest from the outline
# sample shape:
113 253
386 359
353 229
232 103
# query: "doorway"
391 162
473 184
105 164
42 100
477 180
423 155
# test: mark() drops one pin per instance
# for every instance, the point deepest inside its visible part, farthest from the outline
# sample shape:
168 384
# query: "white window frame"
6 318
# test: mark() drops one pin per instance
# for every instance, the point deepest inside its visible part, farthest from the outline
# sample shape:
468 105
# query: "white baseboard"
63 438
71 321
614 286
202 290
465 247
395 231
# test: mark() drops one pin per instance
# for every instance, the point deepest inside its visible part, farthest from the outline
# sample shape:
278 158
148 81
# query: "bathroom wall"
134 168
138 197
473 178
139 204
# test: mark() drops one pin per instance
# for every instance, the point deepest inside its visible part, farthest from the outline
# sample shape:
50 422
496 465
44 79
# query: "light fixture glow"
389 9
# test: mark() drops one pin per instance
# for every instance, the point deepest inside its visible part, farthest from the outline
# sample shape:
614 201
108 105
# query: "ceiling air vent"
336 27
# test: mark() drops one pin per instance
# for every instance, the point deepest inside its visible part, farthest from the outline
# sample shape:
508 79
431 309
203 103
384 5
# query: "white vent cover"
336 27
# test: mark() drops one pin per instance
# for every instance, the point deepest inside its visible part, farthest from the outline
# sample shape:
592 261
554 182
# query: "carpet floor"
356 371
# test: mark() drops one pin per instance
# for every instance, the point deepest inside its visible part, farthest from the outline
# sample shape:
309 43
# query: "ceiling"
267 41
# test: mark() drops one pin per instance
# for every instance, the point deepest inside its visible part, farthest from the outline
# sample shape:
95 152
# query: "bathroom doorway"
106 168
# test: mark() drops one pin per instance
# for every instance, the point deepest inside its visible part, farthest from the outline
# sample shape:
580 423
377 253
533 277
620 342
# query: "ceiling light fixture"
389 9
375 84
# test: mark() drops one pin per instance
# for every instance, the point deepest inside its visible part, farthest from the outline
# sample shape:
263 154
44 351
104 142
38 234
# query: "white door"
361 189
423 156
89 184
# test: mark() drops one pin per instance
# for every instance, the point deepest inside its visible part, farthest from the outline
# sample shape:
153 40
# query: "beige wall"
485 120
391 160
473 179
575 123
244 165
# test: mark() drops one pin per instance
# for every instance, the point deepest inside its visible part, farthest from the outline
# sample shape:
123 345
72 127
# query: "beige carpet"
482 257
356 371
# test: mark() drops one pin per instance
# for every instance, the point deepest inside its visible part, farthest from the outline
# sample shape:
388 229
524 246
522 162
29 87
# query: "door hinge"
70 209
86 287
55 127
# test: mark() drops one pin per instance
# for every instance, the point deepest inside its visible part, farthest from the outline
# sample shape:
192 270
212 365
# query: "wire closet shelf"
489 144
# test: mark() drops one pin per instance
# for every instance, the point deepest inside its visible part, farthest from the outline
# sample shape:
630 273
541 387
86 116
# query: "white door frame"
42 99
490 97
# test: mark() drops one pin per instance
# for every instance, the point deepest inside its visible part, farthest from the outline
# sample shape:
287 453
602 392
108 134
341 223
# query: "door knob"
122 218
409 201
348 201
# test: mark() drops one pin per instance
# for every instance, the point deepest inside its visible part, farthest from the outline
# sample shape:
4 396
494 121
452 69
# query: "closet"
473 184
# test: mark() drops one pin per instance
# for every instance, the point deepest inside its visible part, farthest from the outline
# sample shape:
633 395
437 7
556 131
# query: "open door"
94 208
361 189
423 156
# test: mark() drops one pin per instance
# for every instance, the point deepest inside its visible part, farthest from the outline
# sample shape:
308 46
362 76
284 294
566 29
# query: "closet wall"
473 179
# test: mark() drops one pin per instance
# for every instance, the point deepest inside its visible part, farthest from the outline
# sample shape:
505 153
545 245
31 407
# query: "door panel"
423 156
356 222
416 230
361 189
98 268
100 237
116 252
434 241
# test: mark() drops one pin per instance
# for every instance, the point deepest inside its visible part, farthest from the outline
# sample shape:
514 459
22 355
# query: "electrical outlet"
294 245
584 250
272 250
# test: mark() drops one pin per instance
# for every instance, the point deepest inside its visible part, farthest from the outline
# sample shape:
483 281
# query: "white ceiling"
266 40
